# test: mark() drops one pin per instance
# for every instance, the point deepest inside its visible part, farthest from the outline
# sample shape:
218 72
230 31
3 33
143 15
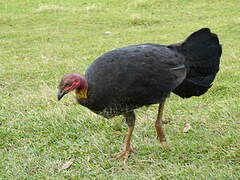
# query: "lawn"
41 40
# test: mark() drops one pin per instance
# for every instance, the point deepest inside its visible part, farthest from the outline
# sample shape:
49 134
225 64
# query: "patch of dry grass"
137 19
49 8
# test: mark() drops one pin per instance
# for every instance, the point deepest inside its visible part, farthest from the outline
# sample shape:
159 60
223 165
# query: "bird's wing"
142 73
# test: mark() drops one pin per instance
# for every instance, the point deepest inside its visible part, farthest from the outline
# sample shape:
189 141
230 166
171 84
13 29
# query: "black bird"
127 78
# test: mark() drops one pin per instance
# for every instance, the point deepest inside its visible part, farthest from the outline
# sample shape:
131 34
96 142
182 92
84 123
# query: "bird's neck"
82 89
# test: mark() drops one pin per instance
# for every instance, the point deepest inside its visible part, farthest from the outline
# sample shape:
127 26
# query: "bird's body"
127 78
130 77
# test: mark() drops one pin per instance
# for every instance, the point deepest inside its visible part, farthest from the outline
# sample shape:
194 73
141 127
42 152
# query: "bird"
127 78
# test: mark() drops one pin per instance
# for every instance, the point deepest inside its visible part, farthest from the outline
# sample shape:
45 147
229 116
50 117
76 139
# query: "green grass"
41 40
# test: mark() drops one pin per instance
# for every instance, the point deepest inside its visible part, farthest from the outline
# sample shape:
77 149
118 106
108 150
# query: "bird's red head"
72 82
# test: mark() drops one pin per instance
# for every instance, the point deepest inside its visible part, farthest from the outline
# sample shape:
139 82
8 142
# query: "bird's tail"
202 51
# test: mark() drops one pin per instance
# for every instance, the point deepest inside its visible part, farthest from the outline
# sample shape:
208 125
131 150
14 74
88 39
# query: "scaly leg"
130 120
159 126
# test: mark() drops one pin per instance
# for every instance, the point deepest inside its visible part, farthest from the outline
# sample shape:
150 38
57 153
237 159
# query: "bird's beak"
60 94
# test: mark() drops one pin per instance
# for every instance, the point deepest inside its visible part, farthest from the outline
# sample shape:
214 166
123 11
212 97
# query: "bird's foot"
166 121
165 144
124 155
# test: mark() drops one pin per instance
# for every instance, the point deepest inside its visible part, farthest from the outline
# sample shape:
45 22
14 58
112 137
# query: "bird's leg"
159 126
130 120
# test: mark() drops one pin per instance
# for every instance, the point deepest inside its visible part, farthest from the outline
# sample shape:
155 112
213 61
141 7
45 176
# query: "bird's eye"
67 84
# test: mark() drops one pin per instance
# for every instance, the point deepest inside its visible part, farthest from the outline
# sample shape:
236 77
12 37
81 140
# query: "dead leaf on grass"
187 128
67 164
2 85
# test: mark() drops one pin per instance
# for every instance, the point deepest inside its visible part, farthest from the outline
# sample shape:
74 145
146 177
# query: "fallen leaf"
187 128
202 105
2 85
67 164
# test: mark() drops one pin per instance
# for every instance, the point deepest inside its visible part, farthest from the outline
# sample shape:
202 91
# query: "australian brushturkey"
127 78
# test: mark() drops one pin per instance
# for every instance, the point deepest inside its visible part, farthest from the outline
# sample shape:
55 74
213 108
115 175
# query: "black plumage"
127 78
130 77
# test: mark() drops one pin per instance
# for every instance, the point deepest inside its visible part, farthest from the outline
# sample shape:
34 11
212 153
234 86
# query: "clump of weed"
137 19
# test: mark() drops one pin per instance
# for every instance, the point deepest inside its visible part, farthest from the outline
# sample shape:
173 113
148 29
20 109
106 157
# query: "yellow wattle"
82 94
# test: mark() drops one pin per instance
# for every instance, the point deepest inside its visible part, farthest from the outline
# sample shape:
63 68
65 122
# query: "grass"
41 40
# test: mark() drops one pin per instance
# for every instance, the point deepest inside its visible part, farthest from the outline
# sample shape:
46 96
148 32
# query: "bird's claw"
124 155
165 121
165 144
